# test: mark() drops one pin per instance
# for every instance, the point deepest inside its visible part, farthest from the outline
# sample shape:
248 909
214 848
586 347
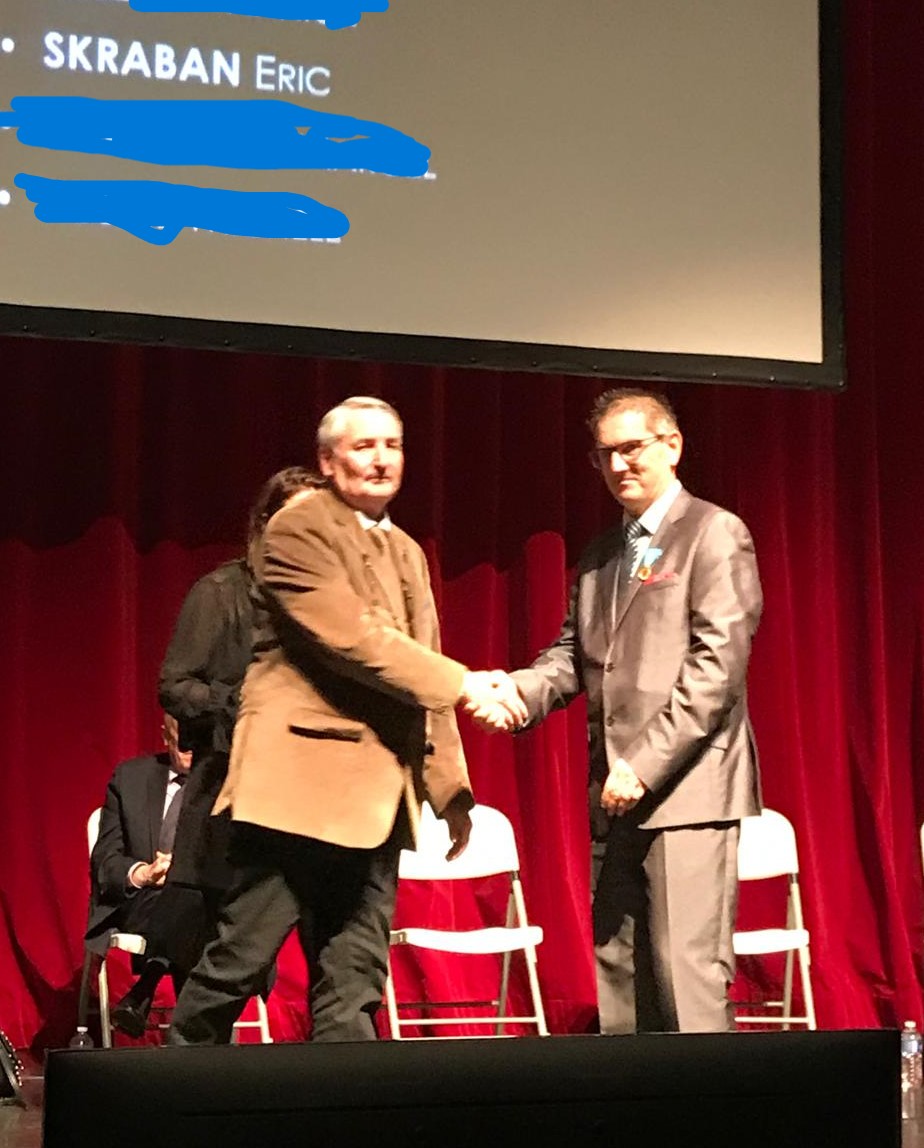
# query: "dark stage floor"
21 1125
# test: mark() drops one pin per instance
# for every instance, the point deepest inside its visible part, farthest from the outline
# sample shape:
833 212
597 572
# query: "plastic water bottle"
911 1071
82 1038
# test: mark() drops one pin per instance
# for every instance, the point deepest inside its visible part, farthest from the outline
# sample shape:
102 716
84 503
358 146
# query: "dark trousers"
663 916
135 916
341 902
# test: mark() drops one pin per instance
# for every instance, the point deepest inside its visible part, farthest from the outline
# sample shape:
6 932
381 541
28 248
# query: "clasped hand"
493 701
622 790
153 872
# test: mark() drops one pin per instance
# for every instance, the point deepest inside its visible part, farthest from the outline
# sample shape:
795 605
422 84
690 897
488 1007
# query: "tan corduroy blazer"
348 706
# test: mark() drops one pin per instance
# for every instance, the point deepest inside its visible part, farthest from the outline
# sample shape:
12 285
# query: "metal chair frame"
767 849
491 851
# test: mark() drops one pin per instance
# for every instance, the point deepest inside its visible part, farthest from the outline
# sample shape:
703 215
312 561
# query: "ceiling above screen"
629 188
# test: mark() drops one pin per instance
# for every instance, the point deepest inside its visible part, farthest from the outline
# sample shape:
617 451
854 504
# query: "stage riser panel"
735 1090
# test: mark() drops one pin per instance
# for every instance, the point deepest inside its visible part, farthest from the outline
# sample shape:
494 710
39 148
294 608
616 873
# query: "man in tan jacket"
346 724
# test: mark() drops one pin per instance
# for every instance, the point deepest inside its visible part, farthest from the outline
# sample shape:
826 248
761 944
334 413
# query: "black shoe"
129 1017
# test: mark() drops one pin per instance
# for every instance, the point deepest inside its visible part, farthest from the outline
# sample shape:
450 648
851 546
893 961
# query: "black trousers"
140 909
341 902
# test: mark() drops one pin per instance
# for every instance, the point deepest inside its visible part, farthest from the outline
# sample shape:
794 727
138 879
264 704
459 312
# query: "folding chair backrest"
93 828
491 849
491 853
767 847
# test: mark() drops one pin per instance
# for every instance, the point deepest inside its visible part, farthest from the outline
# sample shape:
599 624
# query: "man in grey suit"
657 636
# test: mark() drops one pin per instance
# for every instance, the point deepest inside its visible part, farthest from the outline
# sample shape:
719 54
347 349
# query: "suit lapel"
405 610
661 539
382 559
379 580
606 583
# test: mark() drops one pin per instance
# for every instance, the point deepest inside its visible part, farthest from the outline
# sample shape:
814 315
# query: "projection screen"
630 188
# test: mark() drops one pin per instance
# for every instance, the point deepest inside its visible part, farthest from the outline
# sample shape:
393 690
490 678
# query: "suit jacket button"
610 720
608 668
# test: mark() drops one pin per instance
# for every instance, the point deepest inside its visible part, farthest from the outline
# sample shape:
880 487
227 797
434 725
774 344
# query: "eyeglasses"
601 456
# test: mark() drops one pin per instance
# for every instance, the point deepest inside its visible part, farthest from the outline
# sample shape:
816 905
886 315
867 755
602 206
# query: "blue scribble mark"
158 212
264 134
332 13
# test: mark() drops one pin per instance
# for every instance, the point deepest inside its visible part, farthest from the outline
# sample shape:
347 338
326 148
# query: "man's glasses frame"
601 456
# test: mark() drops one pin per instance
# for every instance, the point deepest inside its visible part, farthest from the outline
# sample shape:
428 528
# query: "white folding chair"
135 943
767 850
491 851
125 942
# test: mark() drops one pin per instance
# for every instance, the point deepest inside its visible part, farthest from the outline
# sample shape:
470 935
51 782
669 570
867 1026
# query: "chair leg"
787 990
83 1002
391 1006
538 1009
265 1034
513 907
103 983
499 1029
807 994
516 914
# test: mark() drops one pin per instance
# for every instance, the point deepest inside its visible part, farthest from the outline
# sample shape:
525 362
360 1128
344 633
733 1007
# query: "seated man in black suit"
130 861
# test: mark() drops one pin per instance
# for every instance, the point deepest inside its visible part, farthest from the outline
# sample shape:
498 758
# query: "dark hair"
655 407
275 493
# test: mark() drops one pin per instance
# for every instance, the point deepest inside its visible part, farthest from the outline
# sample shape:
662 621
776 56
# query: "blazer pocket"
720 744
308 723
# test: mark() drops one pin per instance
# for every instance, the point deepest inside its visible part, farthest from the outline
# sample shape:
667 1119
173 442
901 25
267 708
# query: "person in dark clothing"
199 685
132 853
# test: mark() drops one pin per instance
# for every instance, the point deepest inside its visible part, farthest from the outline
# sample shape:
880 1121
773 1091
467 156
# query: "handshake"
492 700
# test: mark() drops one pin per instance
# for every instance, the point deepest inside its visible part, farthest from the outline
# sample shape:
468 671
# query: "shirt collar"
367 523
652 518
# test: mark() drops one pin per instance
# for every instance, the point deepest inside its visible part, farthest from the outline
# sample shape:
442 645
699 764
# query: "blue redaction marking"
158 212
332 13
256 134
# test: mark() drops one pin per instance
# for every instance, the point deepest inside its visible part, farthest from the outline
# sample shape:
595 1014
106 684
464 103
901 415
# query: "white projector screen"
630 188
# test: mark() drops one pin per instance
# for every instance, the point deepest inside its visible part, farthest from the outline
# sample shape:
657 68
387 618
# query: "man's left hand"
459 822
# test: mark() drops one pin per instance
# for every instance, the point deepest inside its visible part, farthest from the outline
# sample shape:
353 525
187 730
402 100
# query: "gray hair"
332 426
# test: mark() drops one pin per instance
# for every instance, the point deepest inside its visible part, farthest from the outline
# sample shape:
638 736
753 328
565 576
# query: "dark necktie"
168 825
636 536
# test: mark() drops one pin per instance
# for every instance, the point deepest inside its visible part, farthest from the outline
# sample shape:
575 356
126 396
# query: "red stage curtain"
127 473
